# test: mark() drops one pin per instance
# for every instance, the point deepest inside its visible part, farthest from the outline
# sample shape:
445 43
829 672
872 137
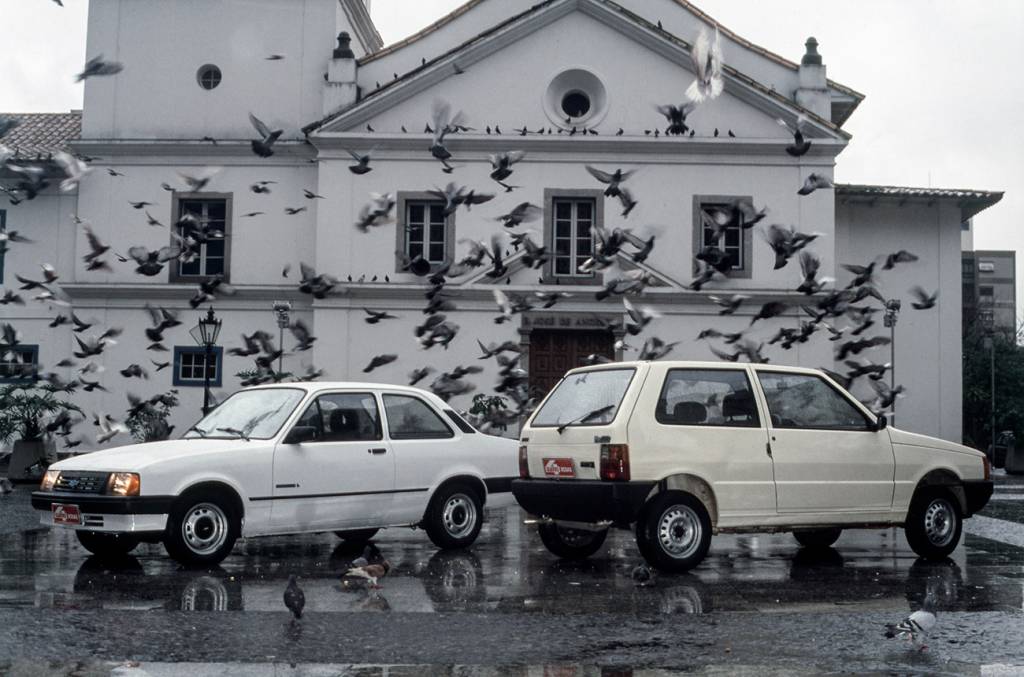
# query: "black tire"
684 519
934 523
107 545
454 516
356 535
817 538
202 528
575 544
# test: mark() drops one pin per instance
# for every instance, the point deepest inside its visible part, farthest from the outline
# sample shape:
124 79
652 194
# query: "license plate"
559 467
66 514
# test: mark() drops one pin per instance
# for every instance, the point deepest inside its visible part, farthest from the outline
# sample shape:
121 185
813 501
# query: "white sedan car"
310 457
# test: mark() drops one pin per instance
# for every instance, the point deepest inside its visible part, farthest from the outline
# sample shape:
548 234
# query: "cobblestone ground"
759 605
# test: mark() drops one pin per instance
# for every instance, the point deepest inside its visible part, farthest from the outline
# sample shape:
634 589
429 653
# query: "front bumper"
977 493
582 500
107 513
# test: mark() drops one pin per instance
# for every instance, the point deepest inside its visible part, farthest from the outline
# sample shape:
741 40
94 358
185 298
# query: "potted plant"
26 409
149 423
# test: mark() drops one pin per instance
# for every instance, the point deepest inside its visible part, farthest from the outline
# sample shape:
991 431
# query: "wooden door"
552 353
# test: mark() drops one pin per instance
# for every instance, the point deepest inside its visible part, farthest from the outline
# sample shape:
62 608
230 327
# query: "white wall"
928 349
162 45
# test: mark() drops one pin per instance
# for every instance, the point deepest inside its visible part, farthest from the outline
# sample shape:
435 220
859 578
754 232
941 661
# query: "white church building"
583 77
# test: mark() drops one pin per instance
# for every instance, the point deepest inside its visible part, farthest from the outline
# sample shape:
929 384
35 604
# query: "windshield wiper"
196 428
236 432
586 417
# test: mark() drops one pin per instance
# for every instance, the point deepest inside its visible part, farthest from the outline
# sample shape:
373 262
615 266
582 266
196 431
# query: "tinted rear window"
577 396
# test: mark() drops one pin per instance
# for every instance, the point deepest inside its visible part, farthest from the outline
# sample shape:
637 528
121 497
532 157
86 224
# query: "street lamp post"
205 334
282 310
892 316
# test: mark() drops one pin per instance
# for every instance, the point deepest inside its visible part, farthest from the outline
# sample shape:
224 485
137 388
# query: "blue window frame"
189 362
3 246
19 364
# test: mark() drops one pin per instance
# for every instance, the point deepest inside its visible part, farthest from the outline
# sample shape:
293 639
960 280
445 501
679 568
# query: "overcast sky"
942 78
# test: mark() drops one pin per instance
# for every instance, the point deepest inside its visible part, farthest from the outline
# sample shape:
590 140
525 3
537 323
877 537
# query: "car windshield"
249 414
587 398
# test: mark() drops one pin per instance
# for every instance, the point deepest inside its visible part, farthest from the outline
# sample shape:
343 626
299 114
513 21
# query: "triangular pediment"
503 77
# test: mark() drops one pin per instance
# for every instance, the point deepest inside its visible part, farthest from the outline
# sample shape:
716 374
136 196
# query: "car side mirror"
881 423
300 434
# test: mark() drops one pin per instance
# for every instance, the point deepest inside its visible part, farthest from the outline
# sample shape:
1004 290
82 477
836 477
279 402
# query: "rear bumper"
582 500
977 493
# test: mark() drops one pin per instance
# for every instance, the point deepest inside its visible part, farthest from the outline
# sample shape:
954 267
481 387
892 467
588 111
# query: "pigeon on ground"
642 575
294 598
6 486
916 626
370 572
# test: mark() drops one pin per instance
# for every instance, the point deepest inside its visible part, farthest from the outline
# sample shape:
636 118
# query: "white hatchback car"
685 449
309 457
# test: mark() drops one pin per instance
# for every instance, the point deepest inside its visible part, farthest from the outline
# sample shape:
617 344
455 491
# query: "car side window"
349 417
409 418
806 401
311 419
707 397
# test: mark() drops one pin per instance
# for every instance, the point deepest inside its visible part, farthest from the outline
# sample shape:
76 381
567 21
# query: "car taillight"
988 467
615 462
524 464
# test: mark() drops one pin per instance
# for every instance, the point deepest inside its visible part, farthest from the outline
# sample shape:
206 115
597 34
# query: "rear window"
707 397
589 398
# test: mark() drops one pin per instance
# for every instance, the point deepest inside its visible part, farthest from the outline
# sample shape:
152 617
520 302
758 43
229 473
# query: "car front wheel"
201 529
934 524
107 545
674 532
454 516
817 538
570 543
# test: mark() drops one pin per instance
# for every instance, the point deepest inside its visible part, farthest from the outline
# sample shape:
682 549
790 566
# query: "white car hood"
916 440
136 457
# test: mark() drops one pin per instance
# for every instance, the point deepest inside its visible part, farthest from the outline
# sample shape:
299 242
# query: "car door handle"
377 451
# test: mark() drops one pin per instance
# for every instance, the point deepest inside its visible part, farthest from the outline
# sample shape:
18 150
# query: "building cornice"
286 152
362 24
562 147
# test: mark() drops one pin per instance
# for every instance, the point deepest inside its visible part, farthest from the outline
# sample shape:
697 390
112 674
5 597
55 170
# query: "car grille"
82 482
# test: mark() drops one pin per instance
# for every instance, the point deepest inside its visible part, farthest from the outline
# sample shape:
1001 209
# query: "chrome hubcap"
205 528
459 516
679 531
939 522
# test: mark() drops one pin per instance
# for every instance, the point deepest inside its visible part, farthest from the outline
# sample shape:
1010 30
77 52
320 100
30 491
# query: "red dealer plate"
559 467
66 514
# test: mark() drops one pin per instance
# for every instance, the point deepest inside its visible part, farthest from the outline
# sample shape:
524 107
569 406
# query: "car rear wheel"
569 543
817 538
107 545
356 535
201 529
674 532
454 516
934 523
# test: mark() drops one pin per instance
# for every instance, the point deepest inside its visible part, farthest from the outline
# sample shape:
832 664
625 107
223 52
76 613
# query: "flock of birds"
844 314
824 308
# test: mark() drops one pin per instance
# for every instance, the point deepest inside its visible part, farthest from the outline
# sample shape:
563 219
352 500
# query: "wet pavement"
506 607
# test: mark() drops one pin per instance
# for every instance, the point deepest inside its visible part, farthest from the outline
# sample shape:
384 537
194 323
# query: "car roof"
696 364
317 386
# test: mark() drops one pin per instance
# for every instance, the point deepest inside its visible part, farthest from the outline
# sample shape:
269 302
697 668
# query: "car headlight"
49 479
123 484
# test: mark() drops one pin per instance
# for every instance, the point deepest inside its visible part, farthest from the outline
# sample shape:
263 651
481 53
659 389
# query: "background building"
990 285
566 71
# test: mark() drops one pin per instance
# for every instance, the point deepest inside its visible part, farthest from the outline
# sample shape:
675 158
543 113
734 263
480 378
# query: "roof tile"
39 135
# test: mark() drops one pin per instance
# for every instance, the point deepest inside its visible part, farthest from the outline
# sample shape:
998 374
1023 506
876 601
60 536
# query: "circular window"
576 104
574 98
209 76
